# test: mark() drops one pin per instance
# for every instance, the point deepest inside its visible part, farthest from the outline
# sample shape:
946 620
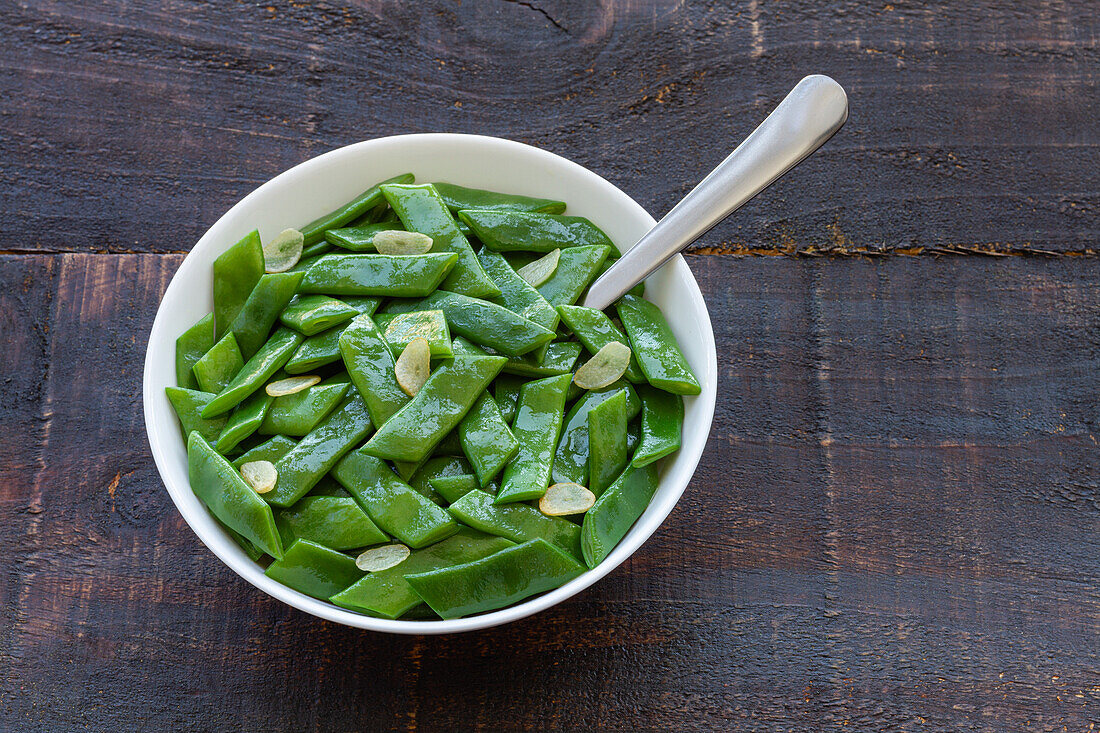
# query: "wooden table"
895 525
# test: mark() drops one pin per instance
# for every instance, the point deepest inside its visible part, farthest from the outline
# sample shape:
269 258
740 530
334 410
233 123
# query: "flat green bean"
312 314
314 569
298 413
316 454
219 365
256 371
363 203
220 487
422 210
486 440
571 457
370 364
652 342
190 347
360 238
399 329
261 311
607 455
413 431
576 269
506 231
536 426
460 197
245 420
611 517
272 451
517 522
595 330
662 420
236 272
188 403
334 522
393 505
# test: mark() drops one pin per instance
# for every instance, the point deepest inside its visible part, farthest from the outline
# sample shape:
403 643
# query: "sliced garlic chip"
397 242
290 385
541 270
284 251
605 367
381 558
413 366
566 498
260 475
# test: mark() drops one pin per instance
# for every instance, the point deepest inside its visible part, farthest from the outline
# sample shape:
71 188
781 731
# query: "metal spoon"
811 114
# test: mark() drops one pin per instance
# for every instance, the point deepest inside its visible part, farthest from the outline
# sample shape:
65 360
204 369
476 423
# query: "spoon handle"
813 111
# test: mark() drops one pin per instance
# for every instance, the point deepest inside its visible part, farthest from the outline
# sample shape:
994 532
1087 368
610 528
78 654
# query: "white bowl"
317 186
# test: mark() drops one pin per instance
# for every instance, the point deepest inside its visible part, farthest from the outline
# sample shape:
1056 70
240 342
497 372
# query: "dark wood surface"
896 525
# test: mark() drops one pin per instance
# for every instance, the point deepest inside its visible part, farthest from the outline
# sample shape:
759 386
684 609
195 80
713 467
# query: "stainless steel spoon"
811 114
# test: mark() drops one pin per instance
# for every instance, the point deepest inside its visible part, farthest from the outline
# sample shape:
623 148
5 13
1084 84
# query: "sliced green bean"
399 329
571 457
506 389
188 403
496 581
298 413
516 294
506 231
236 272
312 314
414 430
655 347
219 365
576 269
396 276
387 594
460 197
536 426
363 203
362 303
607 455
331 521
220 487
244 421
438 467
393 505
453 488
595 330
486 440
190 347
481 321
320 450
256 371
517 522
314 569
316 351
272 451
359 238
422 210
662 420
559 358
261 311
611 517
370 363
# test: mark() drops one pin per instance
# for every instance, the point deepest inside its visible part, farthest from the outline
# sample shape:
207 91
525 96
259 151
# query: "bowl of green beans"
372 390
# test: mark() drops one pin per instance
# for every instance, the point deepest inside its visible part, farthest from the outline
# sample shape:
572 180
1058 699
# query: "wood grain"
893 528
131 126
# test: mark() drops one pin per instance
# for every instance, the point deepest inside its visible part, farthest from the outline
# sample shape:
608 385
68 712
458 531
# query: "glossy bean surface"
537 425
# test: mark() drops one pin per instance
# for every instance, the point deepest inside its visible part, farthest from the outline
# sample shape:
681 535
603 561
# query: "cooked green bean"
236 272
360 238
516 294
334 522
314 569
606 442
486 440
245 419
188 403
413 431
576 269
505 231
662 420
422 210
496 581
370 363
312 314
399 329
229 498
190 347
453 488
256 371
219 365
272 451
611 517
396 276
652 342
261 311
461 197
536 426
393 505
298 413
571 457
315 455
518 522
595 330
362 204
